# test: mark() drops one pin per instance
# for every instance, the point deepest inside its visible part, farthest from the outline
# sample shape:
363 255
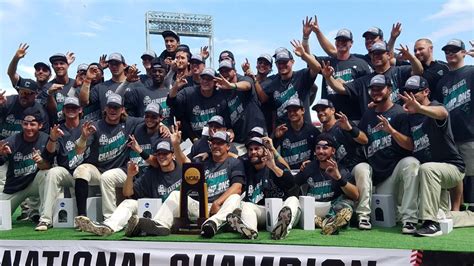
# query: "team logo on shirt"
444 90
108 93
196 110
18 157
103 140
440 72
70 145
286 143
11 119
161 190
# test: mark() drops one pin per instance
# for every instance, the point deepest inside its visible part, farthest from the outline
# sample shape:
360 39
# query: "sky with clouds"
90 28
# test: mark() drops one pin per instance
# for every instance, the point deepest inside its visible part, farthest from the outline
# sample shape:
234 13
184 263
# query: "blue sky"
248 28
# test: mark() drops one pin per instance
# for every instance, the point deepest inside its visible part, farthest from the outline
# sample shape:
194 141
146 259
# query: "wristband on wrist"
50 139
341 182
234 86
305 38
144 155
354 132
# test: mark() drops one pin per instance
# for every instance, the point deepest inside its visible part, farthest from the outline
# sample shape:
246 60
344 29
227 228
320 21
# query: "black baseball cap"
27 84
220 135
380 81
344 34
217 119
255 140
416 83
164 145
170 33
328 138
58 57
148 53
373 31
42 64
323 103
226 54
35 112
456 44
294 102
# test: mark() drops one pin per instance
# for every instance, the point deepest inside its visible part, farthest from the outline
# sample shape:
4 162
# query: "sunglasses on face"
451 51
26 93
150 116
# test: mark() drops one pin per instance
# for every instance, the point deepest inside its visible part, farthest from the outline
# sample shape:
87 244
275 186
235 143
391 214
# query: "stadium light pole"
192 25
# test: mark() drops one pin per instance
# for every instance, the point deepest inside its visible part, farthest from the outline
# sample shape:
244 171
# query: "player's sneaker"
318 221
364 224
43 226
237 224
152 228
96 228
79 220
208 229
332 225
408 228
281 227
132 227
429 228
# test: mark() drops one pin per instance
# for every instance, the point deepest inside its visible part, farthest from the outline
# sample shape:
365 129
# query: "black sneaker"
209 229
429 228
239 225
132 227
281 227
152 228
409 228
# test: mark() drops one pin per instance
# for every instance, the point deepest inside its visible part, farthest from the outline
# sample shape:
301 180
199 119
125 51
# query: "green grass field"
460 239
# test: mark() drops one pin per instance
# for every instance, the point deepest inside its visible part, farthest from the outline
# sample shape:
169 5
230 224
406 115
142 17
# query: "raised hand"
132 168
223 83
55 88
269 158
404 52
92 72
333 170
21 52
180 82
384 124
103 61
3 98
303 165
411 106
88 129
37 156
4 148
327 70
204 52
298 48
175 136
343 121
132 73
133 144
280 131
246 67
268 142
471 51
55 133
71 57
396 30
315 26
165 131
307 27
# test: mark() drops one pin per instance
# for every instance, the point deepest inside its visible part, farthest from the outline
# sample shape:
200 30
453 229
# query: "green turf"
458 240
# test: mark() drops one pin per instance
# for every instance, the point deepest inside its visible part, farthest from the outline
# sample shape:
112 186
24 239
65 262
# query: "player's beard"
256 159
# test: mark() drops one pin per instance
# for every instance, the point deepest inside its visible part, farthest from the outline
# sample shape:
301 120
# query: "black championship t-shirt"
11 116
59 97
433 73
433 140
347 70
220 176
147 142
281 91
244 112
21 167
193 107
109 144
456 88
155 183
359 88
383 152
348 152
321 186
297 146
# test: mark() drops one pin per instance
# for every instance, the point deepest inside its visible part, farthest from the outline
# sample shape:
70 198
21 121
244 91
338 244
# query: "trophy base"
184 226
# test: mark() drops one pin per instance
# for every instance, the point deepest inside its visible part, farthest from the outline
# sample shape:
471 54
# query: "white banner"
52 252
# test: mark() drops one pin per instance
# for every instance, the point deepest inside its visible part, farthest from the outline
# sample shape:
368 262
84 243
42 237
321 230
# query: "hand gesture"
384 124
55 133
133 144
404 52
170 62
371 105
333 170
132 73
315 26
223 83
280 131
411 106
37 156
4 148
396 30
3 98
307 27
92 72
231 134
103 61
471 51
71 57
343 121
268 142
175 136
201 156
21 52
304 164
298 48
180 82
269 158
78 80
55 88
204 52
88 129
132 168
165 131
246 66
327 70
